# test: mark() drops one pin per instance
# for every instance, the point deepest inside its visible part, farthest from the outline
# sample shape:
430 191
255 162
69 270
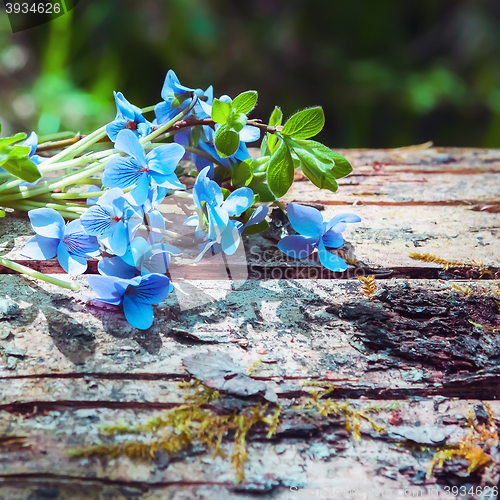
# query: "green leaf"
276 117
237 121
221 111
268 145
241 174
15 158
342 166
245 102
23 168
261 188
226 140
320 179
304 124
280 171
225 192
256 228
316 171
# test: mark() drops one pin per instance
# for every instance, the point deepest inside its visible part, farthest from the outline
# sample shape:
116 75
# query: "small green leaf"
276 117
221 111
280 171
304 124
241 174
225 193
325 154
245 102
237 121
22 168
226 140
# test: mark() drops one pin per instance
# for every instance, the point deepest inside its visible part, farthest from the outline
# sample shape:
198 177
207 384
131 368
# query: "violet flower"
315 233
69 242
136 295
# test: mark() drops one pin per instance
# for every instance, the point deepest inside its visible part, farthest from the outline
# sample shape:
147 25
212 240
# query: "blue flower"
221 229
176 97
128 117
113 218
136 295
157 168
140 258
315 233
69 242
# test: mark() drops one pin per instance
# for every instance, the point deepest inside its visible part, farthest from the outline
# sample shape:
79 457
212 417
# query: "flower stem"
172 122
78 147
280 206
35 274
203 154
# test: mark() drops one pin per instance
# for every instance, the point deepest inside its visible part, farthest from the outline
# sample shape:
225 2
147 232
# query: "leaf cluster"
15 158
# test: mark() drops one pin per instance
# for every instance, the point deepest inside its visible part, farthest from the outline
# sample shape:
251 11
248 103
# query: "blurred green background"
388 73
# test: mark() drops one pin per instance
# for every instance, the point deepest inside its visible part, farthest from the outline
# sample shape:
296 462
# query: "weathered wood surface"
68 364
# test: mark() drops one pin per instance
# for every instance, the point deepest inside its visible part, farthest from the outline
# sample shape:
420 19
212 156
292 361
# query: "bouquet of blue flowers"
111 196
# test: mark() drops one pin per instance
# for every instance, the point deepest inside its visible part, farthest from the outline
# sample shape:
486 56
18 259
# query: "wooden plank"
328 457
68 364
330 324
383 239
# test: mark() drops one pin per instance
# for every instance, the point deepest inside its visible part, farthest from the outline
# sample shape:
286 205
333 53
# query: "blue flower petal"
164 159
141 190
32 143
72 264
218 219
122 172
167 181
125 108
152 289
230 239
109 289
333 239
143 129
115 266
97 220
257 216
164 112
297 246
346 217
238 201
305 220
329 260
249 134
47 222
40 248
113 128
82 244
117 240
128 142
138 314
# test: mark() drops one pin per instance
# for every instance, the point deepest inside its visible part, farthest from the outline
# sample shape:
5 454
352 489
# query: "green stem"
83 174
203 154
78 147
280 206
169 124
35 274
42 168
